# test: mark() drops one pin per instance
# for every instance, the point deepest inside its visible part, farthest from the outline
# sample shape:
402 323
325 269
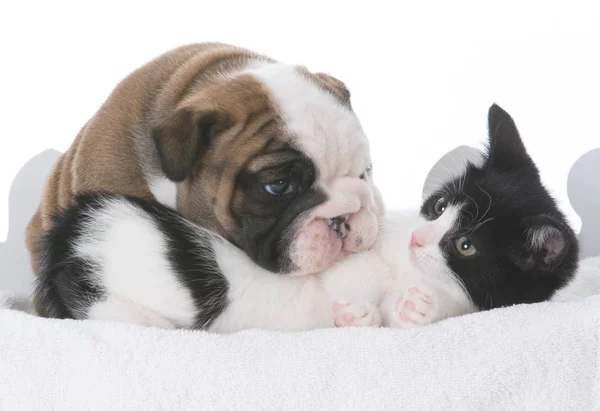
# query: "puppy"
269 156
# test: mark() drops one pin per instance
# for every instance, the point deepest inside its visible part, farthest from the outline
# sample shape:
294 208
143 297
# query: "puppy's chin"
317 246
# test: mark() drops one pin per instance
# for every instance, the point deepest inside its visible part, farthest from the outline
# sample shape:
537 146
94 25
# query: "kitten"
489 238
494 230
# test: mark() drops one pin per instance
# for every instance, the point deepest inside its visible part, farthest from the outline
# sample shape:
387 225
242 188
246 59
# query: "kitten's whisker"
472 216
461 284
457 168
443 183
441 186
436 187
451 176
476 227
476 205
461 182
488 296
445 178
489 205
441 177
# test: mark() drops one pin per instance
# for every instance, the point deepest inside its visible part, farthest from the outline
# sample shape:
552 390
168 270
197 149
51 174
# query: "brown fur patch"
254 123
330 84
107 155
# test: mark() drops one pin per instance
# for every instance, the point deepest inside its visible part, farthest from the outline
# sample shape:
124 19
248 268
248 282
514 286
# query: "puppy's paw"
414 308
354 315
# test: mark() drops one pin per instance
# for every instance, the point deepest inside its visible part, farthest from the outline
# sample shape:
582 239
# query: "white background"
422 74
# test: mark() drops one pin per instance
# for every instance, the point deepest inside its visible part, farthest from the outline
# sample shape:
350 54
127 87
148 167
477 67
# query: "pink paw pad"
414 308
349 314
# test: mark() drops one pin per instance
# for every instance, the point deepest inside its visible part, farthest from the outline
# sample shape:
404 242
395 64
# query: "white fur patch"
424 266
122 310
429 257
164 190
327 131
261 299
131 255
538 237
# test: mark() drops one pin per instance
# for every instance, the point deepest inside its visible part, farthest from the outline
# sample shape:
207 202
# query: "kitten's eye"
465 246
440 206
279 187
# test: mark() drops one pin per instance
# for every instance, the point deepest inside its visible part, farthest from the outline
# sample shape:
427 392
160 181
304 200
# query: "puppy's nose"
339 226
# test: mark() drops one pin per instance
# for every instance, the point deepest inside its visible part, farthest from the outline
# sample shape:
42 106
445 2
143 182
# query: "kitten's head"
497 228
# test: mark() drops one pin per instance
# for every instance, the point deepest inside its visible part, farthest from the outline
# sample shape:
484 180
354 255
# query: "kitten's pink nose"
416 241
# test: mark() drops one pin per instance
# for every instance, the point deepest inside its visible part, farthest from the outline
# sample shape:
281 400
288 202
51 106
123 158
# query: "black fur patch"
64 285
268 222
526 249
63 288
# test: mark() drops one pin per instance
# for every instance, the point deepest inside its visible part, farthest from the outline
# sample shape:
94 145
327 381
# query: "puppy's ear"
182 137
334 86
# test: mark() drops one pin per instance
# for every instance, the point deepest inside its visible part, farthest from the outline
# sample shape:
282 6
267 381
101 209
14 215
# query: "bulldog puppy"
268 155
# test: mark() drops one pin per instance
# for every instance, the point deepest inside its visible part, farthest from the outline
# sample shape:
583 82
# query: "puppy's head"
274 159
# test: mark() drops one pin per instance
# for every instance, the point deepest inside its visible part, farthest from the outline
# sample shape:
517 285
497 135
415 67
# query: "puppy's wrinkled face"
285 170
319 194
337 208
496 229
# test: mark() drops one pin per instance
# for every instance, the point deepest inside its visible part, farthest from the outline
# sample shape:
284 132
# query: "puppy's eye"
279 187
465 247
440 206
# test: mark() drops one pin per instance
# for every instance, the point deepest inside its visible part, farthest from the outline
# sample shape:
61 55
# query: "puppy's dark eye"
440 206
465 247
279 187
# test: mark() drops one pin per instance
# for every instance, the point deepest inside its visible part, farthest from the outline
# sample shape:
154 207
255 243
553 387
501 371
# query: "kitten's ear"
505 147
546 244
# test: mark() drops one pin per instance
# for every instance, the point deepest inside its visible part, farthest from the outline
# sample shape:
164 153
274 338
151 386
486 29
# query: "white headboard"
15 271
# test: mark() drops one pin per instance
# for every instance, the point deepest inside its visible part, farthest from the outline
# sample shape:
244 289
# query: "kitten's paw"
353 315
414 308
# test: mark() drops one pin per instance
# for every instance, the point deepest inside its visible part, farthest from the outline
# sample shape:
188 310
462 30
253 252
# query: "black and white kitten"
489 238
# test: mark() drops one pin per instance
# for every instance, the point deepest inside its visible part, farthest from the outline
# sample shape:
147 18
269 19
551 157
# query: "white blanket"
536 357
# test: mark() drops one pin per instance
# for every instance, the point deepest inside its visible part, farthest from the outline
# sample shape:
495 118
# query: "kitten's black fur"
526 249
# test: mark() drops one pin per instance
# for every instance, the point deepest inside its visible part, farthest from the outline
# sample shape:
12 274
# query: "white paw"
354 315
414 308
